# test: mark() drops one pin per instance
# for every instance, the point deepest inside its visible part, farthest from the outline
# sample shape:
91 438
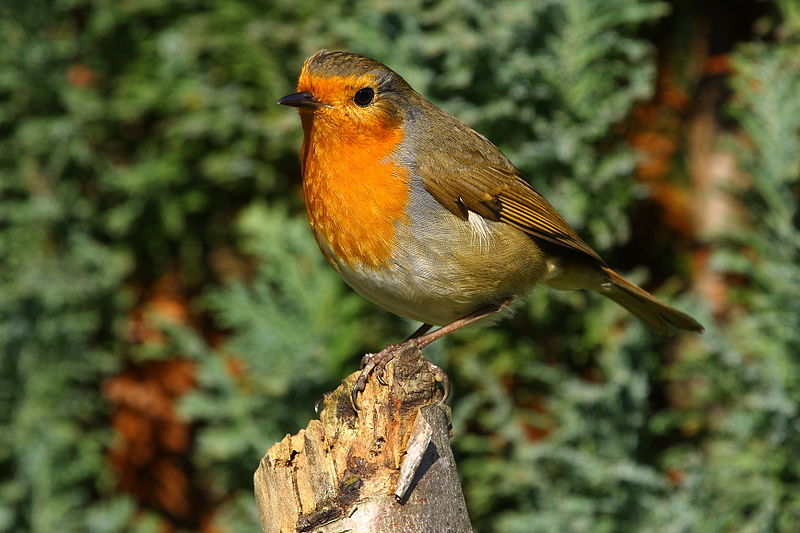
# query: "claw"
446 389
369 360
321 398
354 395
375 363
442 379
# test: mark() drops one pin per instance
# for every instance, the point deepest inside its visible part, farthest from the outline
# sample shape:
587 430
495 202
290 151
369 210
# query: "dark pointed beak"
303 100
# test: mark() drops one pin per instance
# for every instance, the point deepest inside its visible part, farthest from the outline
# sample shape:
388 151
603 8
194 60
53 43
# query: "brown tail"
652 311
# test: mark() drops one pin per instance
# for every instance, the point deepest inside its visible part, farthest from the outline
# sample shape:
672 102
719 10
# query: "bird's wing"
473 175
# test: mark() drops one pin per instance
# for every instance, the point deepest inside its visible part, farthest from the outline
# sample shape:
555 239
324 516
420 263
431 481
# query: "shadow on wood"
385 468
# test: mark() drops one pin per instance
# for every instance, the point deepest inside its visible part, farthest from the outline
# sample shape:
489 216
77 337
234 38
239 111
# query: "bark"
387 467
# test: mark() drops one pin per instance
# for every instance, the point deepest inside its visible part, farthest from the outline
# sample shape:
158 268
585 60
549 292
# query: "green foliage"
129 137
750 472
141 138
283 337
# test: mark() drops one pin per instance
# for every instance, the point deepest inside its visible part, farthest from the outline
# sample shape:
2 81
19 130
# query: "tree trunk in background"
341 473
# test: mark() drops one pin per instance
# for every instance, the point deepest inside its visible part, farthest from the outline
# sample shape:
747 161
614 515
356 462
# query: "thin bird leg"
419 339
422 330
483 312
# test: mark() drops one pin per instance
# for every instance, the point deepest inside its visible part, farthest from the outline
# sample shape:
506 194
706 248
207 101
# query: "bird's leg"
419 339
424 340
420 331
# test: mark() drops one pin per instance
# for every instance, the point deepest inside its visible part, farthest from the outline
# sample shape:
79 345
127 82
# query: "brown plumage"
426 217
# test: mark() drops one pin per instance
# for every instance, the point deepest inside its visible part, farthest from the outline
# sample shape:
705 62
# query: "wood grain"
340 473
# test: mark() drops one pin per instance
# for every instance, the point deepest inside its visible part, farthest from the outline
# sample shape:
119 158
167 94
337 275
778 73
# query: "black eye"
364 96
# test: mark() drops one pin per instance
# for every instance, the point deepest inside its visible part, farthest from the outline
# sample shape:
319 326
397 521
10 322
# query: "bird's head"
351 94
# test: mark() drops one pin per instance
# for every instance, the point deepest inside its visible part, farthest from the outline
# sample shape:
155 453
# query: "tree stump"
387 467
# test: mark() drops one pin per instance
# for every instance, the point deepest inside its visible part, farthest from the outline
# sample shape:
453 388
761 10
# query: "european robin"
427 218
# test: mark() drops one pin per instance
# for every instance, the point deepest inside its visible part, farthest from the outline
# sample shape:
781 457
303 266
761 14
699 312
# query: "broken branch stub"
385 468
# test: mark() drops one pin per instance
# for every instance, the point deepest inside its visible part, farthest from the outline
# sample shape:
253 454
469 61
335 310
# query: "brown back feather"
470 173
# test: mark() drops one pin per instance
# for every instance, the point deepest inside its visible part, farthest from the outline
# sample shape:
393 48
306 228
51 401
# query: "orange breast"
356 195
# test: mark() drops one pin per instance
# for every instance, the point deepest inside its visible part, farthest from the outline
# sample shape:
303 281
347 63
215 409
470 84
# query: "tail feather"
652 311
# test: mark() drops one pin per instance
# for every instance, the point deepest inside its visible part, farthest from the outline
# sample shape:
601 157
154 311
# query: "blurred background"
165 315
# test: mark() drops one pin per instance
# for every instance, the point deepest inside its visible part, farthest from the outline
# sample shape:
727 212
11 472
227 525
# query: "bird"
425 217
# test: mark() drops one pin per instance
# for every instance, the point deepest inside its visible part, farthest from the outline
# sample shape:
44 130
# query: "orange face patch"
336 90
355 193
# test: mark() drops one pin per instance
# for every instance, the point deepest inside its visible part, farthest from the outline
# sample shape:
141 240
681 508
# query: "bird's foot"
376 363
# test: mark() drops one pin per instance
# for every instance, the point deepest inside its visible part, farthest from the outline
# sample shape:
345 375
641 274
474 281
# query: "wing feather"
473 175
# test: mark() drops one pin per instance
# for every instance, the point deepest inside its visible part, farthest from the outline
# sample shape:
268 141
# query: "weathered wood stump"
387 467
